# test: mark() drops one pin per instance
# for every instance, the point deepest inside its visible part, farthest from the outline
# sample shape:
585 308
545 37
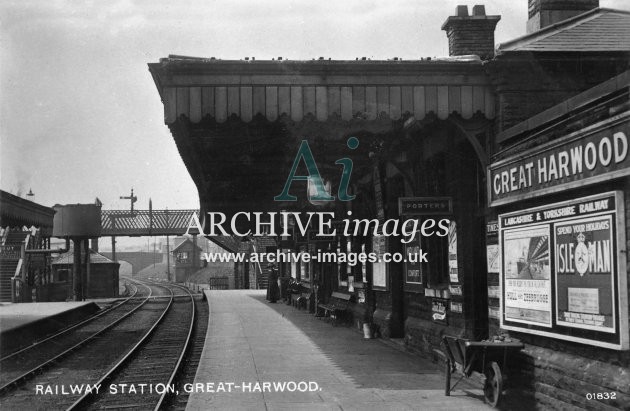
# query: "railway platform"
262 356
21 324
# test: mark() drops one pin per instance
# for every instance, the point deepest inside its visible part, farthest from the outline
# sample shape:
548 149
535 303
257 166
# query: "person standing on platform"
273 291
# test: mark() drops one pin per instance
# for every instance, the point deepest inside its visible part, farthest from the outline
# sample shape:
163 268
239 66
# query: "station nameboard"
408 206
563 272
596 153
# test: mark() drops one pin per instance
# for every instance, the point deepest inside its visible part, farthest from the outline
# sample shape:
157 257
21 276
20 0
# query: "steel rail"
166 393
33 371
88 397
71 327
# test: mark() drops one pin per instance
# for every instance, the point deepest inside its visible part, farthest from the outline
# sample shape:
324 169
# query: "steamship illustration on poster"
533 263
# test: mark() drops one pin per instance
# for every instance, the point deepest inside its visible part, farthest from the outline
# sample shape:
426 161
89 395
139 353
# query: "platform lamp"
79 223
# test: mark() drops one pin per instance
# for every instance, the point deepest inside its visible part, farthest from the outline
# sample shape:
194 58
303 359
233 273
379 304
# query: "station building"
558 195
102 277
455 144
24 225
187 259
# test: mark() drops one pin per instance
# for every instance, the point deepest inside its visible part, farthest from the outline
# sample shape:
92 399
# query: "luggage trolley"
486 357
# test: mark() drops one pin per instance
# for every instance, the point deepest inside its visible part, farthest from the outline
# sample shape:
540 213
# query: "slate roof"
597 30
229 243
95 258
263 242
187 241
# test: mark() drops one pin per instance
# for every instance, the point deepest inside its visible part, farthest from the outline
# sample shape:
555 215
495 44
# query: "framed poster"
563 271
492 254
527 275
457 307
438 310
413 275
379 269
584 280
363 266
453 269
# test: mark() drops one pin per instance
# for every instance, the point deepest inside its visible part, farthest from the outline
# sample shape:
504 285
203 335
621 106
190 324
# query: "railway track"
144 378
60 381
188 370
23 364
37 344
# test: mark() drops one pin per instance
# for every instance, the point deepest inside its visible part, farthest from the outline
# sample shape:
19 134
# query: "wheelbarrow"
486 357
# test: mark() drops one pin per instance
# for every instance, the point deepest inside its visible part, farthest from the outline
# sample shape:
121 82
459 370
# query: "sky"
80 116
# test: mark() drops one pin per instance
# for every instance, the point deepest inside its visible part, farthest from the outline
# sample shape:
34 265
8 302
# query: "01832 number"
601 396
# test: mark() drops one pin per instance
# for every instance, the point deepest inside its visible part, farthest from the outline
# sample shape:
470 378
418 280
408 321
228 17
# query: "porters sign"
593 154
563 271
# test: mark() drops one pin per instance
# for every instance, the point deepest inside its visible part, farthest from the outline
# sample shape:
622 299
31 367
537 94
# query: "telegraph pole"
168 253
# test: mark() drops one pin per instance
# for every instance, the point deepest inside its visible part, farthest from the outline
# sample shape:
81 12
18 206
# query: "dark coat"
273 291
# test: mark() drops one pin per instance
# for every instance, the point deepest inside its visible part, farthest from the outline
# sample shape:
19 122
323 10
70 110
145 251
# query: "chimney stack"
543 13
471 34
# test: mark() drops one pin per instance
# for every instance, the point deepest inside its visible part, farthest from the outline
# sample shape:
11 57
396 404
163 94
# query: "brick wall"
471 34
476 37
527 84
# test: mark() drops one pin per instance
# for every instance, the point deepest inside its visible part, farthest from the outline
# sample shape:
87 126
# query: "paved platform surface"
250 341
24 323
18 315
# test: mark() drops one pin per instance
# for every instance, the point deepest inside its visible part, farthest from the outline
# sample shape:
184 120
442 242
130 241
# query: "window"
294 269
304 266
62 276
437 267
342 267
363 265
182 257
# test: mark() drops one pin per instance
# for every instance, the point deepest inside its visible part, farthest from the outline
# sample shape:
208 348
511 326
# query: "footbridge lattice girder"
145 222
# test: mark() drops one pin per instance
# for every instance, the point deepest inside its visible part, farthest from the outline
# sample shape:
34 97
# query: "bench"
337 306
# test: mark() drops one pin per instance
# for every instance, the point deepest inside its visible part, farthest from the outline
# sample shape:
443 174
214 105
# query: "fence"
214 283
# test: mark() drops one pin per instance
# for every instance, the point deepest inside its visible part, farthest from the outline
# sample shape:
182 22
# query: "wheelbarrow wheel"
494 384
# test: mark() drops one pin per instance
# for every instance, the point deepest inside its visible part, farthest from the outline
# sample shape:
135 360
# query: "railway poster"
453 269
560 271
584 278
527 275
413 269
379 269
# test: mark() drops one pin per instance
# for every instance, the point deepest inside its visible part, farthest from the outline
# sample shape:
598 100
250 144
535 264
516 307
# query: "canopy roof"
197 88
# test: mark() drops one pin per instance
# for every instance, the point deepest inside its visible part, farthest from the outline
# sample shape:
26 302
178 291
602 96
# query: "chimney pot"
461 11
471 34
479 10
543 13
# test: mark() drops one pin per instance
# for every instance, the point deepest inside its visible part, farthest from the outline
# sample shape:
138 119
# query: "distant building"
187 259
24 225
102 277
